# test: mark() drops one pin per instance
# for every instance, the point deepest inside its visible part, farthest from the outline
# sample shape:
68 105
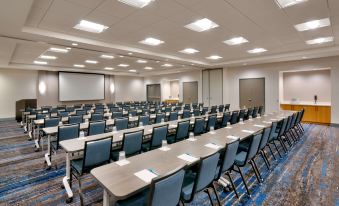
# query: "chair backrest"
255 112
228 157
265 136
97 152
248 114
116 115
196 112
199 126
283 126
221 108
121 123
96 128
204 110
206 173
132 142
173 116
63 114
187 107
114 109
51 122
168 109
159 133
165 190
186 114
212 120
144 119
227 107
41 116
194 105
213 109
225 119
261 110
97 117
159 117
69 109
254 146
80 112
272 132
234 117
75 119
67 132
182 130
133 113
241 114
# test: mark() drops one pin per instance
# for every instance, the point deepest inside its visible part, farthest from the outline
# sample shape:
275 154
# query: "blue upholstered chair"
255 112
248 114
114 109
164 191
186 114
80 112
159 133
51 122
121 123
202 179
225 119
181 132
211 122
199 126
132 113
204 110
261 110
96 153
173 116
234 117
214 109
159 117
116 115
75 119
241 115
131 144
221 108
144 119
227 107
196 112
96 117
195 105
95 128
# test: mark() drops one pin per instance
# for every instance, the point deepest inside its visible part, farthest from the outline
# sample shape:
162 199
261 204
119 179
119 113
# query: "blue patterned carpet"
308 175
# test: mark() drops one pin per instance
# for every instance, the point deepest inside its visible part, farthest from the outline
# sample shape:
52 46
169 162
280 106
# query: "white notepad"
259 125
248 131
212 146
232 137
146 175
187 158
164 149
122 162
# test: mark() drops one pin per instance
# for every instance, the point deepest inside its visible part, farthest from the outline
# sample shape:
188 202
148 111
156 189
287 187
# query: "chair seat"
240 158
146 147
188 184
137 199
77 165
171 139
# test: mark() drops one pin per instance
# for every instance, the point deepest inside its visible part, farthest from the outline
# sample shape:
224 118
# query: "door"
190 92
206 87
153 92
212 87
252 92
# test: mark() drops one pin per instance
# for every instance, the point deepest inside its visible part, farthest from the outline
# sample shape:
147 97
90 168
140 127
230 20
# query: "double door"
212 87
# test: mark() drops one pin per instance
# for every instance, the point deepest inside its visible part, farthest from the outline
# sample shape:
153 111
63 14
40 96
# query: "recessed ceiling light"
40 62
90 26
130 53
256 50
151 41
141 61
132 70
320 40
136 3
201 25
315 24
123 65
148 68
108 68
91 61
47 57
167 65
287 3
74 44
189 51
59 50
214 57
236 41
105 56
79 65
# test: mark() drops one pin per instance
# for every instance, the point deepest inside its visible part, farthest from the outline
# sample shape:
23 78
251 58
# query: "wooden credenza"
320 114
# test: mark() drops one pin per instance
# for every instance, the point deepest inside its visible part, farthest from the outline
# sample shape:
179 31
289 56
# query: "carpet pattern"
307 175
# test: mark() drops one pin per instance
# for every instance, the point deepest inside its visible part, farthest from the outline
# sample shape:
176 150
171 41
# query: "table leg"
37 145
67 178
108 200
47 157
26 123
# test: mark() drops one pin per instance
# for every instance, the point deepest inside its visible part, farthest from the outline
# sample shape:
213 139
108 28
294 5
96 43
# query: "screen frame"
81 73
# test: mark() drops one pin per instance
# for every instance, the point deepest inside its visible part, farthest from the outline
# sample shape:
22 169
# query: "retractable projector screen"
81 86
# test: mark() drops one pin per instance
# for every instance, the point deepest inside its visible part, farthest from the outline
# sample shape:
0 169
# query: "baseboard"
7 119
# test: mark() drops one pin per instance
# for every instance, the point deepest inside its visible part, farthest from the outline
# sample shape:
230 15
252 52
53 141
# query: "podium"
21 105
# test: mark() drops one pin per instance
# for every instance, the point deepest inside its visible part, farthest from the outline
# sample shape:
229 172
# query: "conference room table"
77 145
120 181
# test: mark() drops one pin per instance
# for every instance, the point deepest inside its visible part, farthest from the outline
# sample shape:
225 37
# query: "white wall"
164 81
305 84
15 85
129 88
271 72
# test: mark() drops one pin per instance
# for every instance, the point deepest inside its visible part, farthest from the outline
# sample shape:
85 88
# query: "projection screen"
81 86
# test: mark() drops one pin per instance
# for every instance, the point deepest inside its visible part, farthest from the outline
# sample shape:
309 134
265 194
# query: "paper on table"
248 131
267 122
165 149
259 125
122 162
145 175
187 158
273 119
212 146
232 137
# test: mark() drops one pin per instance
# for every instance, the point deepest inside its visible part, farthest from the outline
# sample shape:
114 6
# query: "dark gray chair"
159 117
234 117
75 119
95 128
186 114
121 123
182 132
211 122
196 112
199 126
225 119
116 115
144 119
159 134
96 117
173 116
80 112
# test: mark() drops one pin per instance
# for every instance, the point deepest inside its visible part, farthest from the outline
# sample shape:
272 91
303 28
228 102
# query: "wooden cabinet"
313 113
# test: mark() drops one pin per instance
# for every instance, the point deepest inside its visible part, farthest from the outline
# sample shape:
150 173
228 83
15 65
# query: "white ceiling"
39 24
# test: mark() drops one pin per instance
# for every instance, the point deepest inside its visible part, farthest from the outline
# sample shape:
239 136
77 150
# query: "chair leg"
256 167
216 193
244 181
271 152
232 184
276 147
265 160
80 191
282 144
255 171
266 157
209 195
